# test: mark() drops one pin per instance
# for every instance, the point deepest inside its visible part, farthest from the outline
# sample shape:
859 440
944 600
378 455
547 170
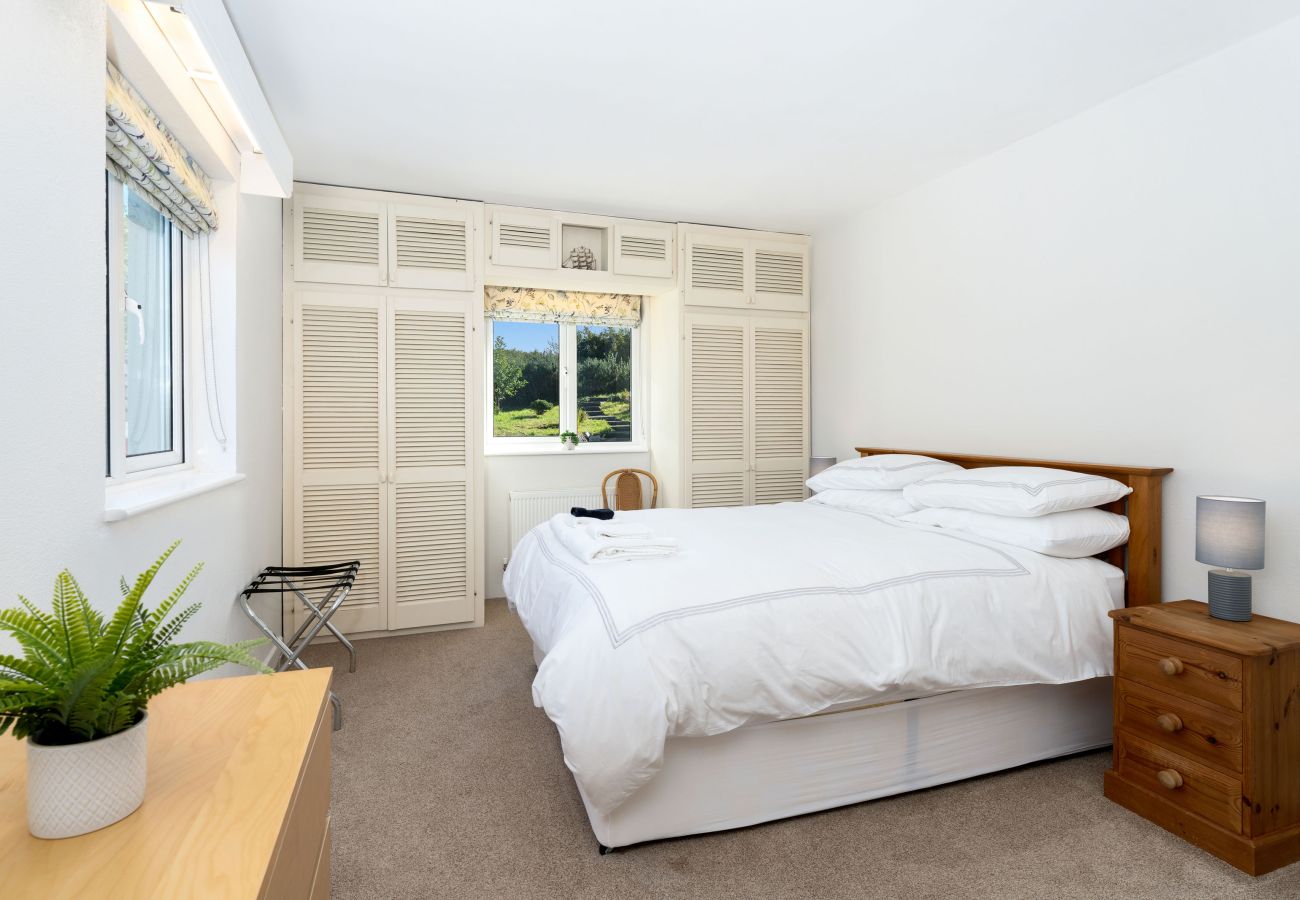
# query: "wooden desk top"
224 758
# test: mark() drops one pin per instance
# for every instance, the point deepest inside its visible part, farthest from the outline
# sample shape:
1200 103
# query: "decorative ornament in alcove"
580 258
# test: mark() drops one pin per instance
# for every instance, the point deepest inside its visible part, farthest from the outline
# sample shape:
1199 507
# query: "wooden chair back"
627 489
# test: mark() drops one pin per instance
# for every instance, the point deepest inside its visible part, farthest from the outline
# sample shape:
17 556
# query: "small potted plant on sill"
79 693
569 439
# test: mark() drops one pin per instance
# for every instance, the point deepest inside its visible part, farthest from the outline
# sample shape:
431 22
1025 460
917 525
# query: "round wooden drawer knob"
1170 779
1171 665
1169 722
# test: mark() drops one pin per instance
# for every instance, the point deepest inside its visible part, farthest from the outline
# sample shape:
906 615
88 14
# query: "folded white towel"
603 528
613 528
591 549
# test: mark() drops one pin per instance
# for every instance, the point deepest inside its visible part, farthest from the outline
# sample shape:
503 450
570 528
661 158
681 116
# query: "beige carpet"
448 783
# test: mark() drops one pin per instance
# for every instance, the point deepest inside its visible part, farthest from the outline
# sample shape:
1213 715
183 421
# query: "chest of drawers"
236 806
1207 730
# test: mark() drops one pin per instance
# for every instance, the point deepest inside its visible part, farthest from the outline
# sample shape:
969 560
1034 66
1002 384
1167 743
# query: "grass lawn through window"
529 423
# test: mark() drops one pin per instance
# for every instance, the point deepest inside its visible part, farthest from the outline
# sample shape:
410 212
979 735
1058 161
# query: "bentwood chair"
627 490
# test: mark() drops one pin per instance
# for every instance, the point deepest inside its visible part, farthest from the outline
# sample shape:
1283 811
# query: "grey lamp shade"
1230 532
820 464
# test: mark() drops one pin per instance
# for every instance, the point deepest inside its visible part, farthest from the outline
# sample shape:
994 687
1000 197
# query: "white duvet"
774 612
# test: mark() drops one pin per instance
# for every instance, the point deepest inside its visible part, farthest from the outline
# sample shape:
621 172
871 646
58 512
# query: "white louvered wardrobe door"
339 240
780 275
431 246
431 551
717 457
716 270
779 408
340 500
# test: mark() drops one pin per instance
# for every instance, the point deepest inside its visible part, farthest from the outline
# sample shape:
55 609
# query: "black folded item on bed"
581 513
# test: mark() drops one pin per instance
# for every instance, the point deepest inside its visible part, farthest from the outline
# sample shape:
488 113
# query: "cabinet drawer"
306 823
1202 732
1175 666
1179 780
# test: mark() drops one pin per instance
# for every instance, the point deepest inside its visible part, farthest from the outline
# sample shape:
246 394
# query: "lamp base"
1229 595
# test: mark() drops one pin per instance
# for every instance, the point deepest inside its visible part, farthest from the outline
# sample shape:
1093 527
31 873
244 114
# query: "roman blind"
141 151
576 307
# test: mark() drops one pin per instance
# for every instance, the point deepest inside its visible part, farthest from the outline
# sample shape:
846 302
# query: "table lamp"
1230 533
820 464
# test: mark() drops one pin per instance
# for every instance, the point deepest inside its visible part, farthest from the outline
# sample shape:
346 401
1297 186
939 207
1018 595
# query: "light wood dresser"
236 805
1207 730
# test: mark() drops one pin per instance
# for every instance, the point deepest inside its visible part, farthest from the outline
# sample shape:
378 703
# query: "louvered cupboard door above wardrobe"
352 240
530 240
340 495
727 268
431 553
643 249
780 275
716 270
339 240
431 247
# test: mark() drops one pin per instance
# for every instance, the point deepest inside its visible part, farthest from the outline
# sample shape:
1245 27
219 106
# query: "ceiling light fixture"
180 32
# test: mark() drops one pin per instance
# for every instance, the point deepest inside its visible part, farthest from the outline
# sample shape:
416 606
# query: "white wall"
553 472
1122 287
52 269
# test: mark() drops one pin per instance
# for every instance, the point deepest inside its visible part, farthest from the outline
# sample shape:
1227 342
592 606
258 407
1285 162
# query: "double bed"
797 657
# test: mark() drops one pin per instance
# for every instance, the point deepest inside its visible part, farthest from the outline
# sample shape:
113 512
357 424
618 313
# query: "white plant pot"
73 789
569 445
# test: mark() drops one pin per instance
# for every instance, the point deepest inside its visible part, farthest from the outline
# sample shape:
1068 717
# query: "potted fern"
79 694
569 440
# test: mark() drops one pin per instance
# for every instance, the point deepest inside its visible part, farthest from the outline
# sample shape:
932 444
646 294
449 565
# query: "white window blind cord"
212 391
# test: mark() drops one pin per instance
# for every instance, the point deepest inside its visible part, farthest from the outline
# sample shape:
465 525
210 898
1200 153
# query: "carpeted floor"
448 783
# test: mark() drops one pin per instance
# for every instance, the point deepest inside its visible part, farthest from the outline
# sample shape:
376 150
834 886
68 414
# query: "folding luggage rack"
331 584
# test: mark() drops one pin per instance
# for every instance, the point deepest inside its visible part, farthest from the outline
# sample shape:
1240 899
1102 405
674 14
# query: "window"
604 357
146 419
548 378
525 379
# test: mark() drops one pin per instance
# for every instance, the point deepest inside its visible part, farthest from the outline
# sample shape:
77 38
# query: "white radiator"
530 508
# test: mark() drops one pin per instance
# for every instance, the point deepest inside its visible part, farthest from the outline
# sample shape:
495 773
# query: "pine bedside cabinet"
1207 730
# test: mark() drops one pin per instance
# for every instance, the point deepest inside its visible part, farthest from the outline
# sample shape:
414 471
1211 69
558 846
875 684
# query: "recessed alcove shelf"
593 238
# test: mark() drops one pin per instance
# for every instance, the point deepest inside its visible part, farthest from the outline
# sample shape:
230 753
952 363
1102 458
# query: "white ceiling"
760 113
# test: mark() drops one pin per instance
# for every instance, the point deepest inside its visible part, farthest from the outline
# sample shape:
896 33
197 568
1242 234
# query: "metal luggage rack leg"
335 581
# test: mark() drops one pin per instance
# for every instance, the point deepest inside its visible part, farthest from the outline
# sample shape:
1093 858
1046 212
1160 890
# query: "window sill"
125 499
558 450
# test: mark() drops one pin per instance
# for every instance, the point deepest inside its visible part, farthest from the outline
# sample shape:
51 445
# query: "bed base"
772 771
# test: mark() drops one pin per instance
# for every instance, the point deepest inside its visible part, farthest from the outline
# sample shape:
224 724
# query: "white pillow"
1016 490
1071 534
886 503
886 472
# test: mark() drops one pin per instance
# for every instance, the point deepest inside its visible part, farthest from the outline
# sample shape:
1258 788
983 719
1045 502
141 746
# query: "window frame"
120 466
495 445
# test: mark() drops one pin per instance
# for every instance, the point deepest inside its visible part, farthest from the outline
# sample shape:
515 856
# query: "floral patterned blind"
576 307
142 152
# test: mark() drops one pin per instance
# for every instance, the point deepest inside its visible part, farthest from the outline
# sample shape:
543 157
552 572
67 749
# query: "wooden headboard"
1140 558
